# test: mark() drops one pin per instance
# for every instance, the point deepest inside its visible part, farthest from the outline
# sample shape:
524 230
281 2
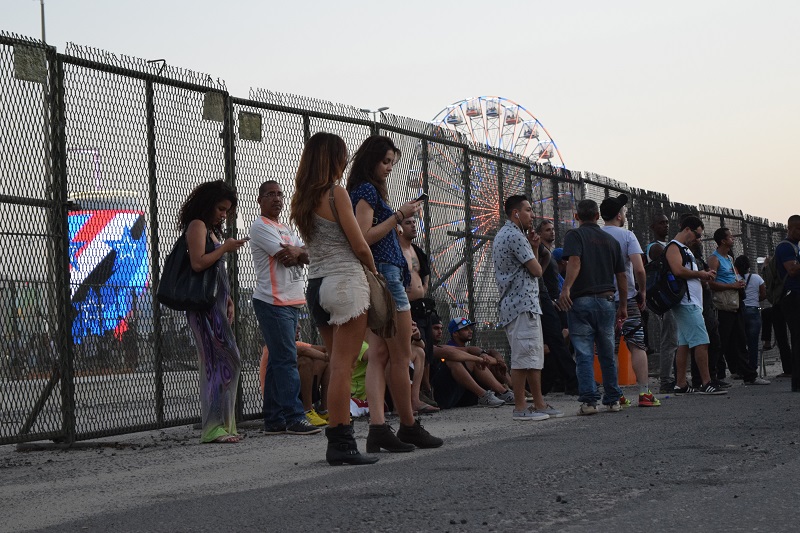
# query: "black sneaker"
667 388
718 383
688 389
275 430
711 390
302 427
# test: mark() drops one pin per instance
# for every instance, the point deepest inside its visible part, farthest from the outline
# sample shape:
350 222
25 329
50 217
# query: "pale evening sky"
698 99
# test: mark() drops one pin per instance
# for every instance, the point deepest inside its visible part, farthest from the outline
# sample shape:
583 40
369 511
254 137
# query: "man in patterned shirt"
516 268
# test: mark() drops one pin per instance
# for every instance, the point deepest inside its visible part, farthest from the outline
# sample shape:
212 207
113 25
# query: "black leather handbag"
183 289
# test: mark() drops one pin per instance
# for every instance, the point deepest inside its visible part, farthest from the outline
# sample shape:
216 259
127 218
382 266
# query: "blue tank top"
725 272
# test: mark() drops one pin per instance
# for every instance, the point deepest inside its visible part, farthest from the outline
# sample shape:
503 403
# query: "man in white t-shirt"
688 313
613 211
279 256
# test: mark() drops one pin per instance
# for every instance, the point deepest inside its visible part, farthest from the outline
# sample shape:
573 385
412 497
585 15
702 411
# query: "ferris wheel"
497 123
500 123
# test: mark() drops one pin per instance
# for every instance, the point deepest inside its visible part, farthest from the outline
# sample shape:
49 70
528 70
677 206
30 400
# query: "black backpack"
664 289
773 282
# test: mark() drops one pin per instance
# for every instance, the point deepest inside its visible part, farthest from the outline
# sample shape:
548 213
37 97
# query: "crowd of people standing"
558 307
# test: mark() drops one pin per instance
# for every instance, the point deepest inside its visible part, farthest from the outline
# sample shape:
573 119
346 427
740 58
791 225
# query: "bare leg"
486 378
535 382
462 376
375 379
343 344
325 383
701 357
639 363
399 356
305 367
426 380
681 357
534 379
418 357
518 377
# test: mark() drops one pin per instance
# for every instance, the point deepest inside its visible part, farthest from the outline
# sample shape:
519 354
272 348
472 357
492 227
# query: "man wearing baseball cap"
459 373
462 336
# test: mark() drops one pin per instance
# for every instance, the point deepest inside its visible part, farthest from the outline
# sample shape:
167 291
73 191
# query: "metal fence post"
61 240
426 209
306 128
465 174
554 189
229 154
501 193
155 256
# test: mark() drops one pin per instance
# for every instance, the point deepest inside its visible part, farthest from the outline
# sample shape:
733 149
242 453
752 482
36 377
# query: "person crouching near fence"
338 293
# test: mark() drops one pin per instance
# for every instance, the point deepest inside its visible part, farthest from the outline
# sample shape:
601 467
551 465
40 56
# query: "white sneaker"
507 397
758 381
490 400
529 414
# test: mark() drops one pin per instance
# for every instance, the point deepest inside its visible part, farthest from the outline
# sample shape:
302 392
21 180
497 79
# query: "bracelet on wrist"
398 216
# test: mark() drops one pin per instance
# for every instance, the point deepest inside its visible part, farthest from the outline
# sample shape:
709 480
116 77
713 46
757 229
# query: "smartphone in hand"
422 197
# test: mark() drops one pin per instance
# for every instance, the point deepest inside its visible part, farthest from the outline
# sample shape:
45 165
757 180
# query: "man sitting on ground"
460 372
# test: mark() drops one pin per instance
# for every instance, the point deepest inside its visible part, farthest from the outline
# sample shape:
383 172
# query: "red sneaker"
648 400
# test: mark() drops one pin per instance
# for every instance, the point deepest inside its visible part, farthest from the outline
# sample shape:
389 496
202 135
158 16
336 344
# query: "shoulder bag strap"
333 206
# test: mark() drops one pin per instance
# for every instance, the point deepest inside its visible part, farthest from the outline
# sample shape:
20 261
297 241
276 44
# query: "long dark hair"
201 203
321 166
366 158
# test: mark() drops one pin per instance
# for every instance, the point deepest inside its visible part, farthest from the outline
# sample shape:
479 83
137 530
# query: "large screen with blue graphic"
108 269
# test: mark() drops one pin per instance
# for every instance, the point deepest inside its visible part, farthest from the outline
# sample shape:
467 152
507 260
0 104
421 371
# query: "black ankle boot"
416 435
382 436
342 447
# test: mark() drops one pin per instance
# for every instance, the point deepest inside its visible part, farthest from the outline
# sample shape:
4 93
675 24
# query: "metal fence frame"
252 139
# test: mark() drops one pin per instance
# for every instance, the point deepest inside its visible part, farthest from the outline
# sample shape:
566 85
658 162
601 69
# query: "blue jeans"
394 280
278 324
591 321
752 330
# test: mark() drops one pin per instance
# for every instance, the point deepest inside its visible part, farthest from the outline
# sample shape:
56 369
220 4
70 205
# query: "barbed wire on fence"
153 67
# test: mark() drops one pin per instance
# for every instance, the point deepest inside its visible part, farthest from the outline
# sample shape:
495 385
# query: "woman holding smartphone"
366 184
201 217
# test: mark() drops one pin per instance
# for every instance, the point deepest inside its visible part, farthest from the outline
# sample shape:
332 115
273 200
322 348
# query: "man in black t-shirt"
594 259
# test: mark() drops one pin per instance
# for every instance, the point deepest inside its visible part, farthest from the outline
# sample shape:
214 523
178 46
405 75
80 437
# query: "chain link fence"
99 152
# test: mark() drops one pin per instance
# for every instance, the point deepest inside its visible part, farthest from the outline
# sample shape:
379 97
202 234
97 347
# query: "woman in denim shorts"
338 293
366 184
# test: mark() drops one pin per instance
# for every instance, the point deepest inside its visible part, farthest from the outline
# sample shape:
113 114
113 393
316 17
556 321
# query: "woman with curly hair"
201 217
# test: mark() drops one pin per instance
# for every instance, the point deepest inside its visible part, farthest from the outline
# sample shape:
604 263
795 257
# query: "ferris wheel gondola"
500 123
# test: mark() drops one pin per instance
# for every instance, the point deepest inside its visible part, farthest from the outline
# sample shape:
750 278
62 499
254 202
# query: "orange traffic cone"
625 375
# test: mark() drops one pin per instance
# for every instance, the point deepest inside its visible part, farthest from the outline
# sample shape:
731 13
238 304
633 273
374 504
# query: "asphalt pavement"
727 463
